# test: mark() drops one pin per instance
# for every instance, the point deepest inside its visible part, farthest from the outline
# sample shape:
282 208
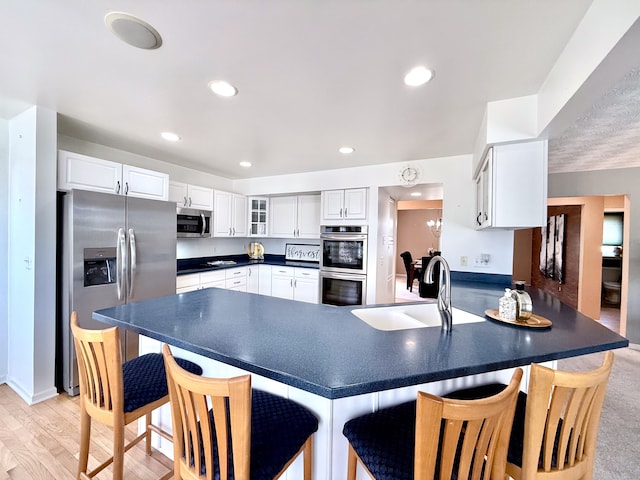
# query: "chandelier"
435 226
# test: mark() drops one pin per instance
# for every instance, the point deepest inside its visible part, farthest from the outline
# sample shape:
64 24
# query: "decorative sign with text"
303 253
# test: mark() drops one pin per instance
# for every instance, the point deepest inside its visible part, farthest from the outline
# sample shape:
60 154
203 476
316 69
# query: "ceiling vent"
133 31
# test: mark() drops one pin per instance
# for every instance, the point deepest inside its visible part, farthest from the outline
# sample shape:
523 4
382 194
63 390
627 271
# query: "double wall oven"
343 265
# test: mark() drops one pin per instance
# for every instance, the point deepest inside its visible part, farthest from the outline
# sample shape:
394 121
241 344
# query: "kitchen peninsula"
340 367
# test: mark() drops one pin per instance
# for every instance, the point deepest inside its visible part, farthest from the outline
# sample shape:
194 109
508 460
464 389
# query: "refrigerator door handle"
120 262
134 258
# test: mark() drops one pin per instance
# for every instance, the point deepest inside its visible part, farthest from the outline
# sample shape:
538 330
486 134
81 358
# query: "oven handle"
343 276
348 238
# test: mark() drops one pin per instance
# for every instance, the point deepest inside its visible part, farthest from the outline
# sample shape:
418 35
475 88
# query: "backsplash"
216 247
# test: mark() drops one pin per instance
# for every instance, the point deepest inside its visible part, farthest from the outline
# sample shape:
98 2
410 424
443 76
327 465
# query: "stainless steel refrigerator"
115 250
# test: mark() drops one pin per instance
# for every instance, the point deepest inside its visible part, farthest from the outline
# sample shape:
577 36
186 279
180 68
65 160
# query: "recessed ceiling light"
222 88
133 31
418 76
245 164
346 150
171 137
416 194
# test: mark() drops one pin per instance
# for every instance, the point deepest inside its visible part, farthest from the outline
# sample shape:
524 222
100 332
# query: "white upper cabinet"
140 182
296 216
229 214
308 216
258 214
340 205
511 186
191 196
89 173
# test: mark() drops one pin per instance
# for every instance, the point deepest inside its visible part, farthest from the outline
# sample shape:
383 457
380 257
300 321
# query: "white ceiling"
312 75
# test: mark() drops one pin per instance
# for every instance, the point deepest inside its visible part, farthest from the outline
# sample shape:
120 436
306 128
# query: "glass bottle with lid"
507 305
524 307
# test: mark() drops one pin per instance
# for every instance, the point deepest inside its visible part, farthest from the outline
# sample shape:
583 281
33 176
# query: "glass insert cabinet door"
258 216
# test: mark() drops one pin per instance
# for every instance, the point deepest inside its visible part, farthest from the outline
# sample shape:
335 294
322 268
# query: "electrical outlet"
463 261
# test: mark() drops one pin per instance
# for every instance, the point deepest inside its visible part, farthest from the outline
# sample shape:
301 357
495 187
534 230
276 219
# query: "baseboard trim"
28 397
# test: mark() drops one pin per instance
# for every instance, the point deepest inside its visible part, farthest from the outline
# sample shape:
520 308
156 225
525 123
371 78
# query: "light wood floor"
40 442
610 317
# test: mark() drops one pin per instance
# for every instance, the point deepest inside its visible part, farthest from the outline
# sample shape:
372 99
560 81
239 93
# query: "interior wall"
622 181
414 235
522 252
590 252
386 249
4 249
32 254
459 241
567 291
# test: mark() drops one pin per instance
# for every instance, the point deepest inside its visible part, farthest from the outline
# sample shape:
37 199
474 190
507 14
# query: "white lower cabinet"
236 279
212 279
231 279
187 283
264 273
295 283
259 279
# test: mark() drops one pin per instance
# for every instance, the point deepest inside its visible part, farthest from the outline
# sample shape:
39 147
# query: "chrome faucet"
444 292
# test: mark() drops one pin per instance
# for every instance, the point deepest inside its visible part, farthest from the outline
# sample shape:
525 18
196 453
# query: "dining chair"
413 272
222 428
117 394
435 438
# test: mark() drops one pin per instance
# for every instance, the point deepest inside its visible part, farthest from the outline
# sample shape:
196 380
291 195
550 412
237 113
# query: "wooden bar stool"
224 429
556 423
560 424
435 437
115 394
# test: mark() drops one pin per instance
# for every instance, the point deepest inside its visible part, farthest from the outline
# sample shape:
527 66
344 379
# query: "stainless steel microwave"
193 223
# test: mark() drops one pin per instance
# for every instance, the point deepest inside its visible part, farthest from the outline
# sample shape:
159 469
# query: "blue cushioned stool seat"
145 381
385 441
279 428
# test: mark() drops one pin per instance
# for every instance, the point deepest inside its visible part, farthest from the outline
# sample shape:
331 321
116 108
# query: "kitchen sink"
404 317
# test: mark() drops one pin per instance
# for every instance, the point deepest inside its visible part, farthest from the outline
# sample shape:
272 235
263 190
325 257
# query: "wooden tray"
535 321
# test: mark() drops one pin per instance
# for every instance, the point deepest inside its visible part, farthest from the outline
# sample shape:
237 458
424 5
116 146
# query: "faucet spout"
444 292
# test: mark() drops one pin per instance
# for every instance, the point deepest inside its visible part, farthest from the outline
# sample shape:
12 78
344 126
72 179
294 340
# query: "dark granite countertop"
328 351
197 265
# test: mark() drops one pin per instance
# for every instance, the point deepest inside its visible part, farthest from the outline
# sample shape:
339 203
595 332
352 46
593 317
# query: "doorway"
419 227
590 260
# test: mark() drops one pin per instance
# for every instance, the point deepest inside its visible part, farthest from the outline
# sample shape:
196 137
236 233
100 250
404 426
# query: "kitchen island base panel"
330 446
